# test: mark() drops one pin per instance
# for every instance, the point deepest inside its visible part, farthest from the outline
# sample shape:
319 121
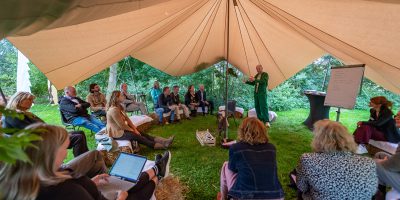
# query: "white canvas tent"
70 41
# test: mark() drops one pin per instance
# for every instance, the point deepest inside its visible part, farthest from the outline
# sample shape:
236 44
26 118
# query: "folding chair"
65 122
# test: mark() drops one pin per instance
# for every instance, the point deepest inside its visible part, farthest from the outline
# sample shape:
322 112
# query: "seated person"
22 102
191 100
175 100
165 106
246 176
97 100
203 102
74 110
333 171
380 126
120 127
388 166
130 104
155 92
42 178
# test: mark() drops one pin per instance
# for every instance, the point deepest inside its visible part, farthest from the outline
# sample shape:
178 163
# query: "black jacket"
67 107
164 102
198 94
385 123
175 100
13 122
189 99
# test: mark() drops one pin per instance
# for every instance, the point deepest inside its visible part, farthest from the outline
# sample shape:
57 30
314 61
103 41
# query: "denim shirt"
256 170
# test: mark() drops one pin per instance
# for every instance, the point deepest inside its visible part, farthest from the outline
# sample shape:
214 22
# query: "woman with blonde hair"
381 125
22 102
42 178
333 171
246 176
120 127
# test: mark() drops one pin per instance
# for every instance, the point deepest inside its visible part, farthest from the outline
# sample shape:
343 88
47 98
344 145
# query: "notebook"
124 174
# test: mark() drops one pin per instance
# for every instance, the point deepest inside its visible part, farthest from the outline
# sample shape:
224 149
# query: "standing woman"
381 125
155 92
120 127
191 100
246 176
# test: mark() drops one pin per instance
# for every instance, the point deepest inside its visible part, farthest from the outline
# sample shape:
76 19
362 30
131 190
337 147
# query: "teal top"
154 95
260 82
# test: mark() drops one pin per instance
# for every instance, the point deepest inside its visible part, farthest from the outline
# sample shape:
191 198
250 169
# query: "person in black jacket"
75 111
381 126
175 100
164 105
203 102
22 102
191 100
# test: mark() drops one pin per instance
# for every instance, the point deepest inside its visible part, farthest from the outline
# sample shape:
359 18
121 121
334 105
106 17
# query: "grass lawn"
199 167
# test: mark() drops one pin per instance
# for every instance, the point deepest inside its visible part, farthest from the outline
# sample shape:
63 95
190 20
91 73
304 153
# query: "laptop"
124 174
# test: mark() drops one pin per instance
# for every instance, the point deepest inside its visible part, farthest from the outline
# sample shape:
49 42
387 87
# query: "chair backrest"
63 119
231 106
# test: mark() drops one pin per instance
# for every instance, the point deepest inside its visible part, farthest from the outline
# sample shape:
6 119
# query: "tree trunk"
23 82
52 91
112 80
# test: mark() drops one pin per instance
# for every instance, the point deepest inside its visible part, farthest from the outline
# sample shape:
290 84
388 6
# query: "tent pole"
226 75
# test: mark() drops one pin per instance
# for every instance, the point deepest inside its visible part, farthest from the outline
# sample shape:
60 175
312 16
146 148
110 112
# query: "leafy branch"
13 141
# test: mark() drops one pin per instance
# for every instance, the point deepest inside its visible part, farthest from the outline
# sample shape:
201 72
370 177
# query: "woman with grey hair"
22 102
333 171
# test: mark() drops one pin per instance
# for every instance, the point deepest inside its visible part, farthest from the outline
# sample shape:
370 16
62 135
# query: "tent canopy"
182 36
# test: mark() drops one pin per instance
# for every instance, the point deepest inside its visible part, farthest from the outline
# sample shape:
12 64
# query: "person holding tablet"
41 178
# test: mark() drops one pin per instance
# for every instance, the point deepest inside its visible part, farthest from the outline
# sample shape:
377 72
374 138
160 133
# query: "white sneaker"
361 149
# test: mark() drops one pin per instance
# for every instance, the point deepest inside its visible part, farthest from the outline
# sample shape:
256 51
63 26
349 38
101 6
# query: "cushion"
272 114
237 109
138 120
121 143
386 146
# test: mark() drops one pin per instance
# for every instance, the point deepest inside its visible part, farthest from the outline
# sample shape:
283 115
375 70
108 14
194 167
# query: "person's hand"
135 131
251 78
78 105
381 160
122 195
100 179
359 124
206 102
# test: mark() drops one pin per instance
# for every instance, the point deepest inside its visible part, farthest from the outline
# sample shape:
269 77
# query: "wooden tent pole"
227 75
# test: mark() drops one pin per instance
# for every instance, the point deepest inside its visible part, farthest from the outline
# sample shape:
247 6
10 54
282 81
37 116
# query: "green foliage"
38 81
14 141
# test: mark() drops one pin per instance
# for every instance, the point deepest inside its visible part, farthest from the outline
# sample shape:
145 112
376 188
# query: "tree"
112 80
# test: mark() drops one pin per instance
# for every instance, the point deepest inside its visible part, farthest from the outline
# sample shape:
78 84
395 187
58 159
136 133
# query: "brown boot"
165 142
158 146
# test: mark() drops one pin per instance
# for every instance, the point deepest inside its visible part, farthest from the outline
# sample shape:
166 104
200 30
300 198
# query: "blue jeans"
160 112
91 123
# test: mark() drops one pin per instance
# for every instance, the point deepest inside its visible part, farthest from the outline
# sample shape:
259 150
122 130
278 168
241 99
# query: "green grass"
199 167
